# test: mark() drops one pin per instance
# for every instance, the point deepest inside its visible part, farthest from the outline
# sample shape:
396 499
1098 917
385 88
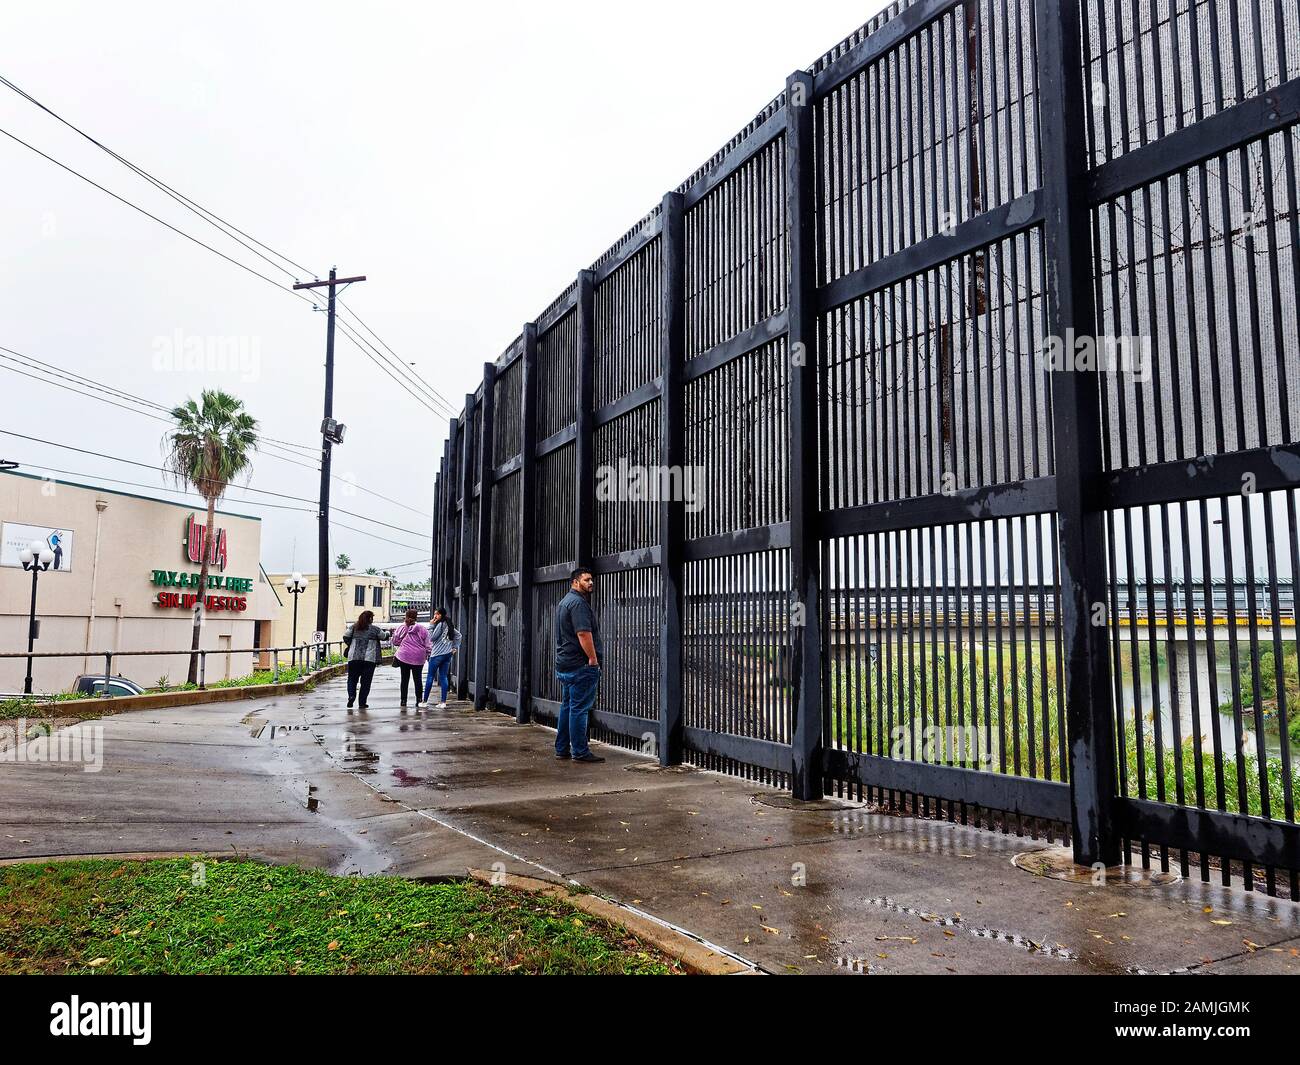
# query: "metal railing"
310 655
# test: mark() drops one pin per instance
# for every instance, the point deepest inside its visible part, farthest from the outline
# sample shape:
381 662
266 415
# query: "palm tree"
212 443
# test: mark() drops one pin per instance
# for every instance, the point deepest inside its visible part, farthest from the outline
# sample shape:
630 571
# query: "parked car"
100 684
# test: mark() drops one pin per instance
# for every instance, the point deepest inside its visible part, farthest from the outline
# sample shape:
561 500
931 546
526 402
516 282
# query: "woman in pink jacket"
411 641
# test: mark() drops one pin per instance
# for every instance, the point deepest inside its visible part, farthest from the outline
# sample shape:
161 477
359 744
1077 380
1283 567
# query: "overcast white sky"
468 158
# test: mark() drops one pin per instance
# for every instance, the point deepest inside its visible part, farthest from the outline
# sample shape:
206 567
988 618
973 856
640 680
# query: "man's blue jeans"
439 666
578 697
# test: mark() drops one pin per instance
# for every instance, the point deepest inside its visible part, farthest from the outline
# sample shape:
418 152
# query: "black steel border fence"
913 524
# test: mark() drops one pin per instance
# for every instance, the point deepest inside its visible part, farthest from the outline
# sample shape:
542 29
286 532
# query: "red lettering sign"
195 537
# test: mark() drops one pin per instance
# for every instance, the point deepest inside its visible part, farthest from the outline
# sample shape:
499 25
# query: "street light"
35 557
295 585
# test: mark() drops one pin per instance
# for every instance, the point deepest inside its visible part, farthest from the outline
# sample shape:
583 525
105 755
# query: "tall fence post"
1067 256
466 541
672 460
805 547
449 578
527 521
437 567
482 623
584 504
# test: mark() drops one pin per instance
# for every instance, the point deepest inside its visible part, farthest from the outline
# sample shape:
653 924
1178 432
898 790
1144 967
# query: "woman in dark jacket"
363 641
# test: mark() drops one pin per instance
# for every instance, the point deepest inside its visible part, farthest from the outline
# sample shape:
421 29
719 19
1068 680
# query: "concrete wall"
136 536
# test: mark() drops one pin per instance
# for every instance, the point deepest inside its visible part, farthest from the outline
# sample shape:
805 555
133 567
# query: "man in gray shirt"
578 658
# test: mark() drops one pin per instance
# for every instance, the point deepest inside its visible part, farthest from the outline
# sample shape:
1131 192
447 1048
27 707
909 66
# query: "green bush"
1242 792
896 705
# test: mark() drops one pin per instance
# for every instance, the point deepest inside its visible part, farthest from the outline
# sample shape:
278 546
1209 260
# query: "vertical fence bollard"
584 488
1081 530
483 636
203 670
466 540
801 350
108 672
672 456
527 521
447 585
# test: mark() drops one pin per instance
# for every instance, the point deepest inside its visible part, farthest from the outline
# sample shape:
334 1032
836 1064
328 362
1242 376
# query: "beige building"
349 594
124 577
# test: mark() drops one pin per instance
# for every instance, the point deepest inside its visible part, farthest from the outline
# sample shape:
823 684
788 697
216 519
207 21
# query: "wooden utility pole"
329 436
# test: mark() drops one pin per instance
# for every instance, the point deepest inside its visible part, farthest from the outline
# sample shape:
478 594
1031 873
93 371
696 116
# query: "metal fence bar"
466 540
1076 427
447 578
483 633
439 502
672 457
805 650
585 465
527 522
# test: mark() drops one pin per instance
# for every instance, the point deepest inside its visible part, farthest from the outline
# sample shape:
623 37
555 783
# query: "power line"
211 217
147 214
404 374
438 395
383 362
148 414
72 375
405 565
240 487
162 488
226 228
63 371
292 459
88 395
340 525
186 492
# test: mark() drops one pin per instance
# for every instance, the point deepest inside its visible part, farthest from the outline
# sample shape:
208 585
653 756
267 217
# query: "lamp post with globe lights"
36 557
295 584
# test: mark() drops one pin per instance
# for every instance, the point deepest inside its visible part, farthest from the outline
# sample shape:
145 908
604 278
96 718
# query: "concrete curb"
167 700
128 856
695 957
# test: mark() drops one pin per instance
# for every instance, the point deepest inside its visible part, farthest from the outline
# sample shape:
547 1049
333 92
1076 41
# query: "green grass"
894 703
972 694
1242 792
235 917
11 708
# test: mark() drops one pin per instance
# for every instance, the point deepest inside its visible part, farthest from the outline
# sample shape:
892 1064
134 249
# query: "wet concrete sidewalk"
831 887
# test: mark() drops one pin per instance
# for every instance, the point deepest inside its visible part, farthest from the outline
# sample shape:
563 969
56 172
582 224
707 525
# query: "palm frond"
212 443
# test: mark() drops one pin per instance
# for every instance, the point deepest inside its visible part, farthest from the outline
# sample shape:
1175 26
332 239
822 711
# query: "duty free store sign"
236 589
193 541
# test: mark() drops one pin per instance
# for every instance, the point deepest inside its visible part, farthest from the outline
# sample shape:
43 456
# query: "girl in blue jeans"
445 642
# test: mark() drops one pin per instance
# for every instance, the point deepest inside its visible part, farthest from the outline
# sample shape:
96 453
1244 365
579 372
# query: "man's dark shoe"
589 757
562 756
